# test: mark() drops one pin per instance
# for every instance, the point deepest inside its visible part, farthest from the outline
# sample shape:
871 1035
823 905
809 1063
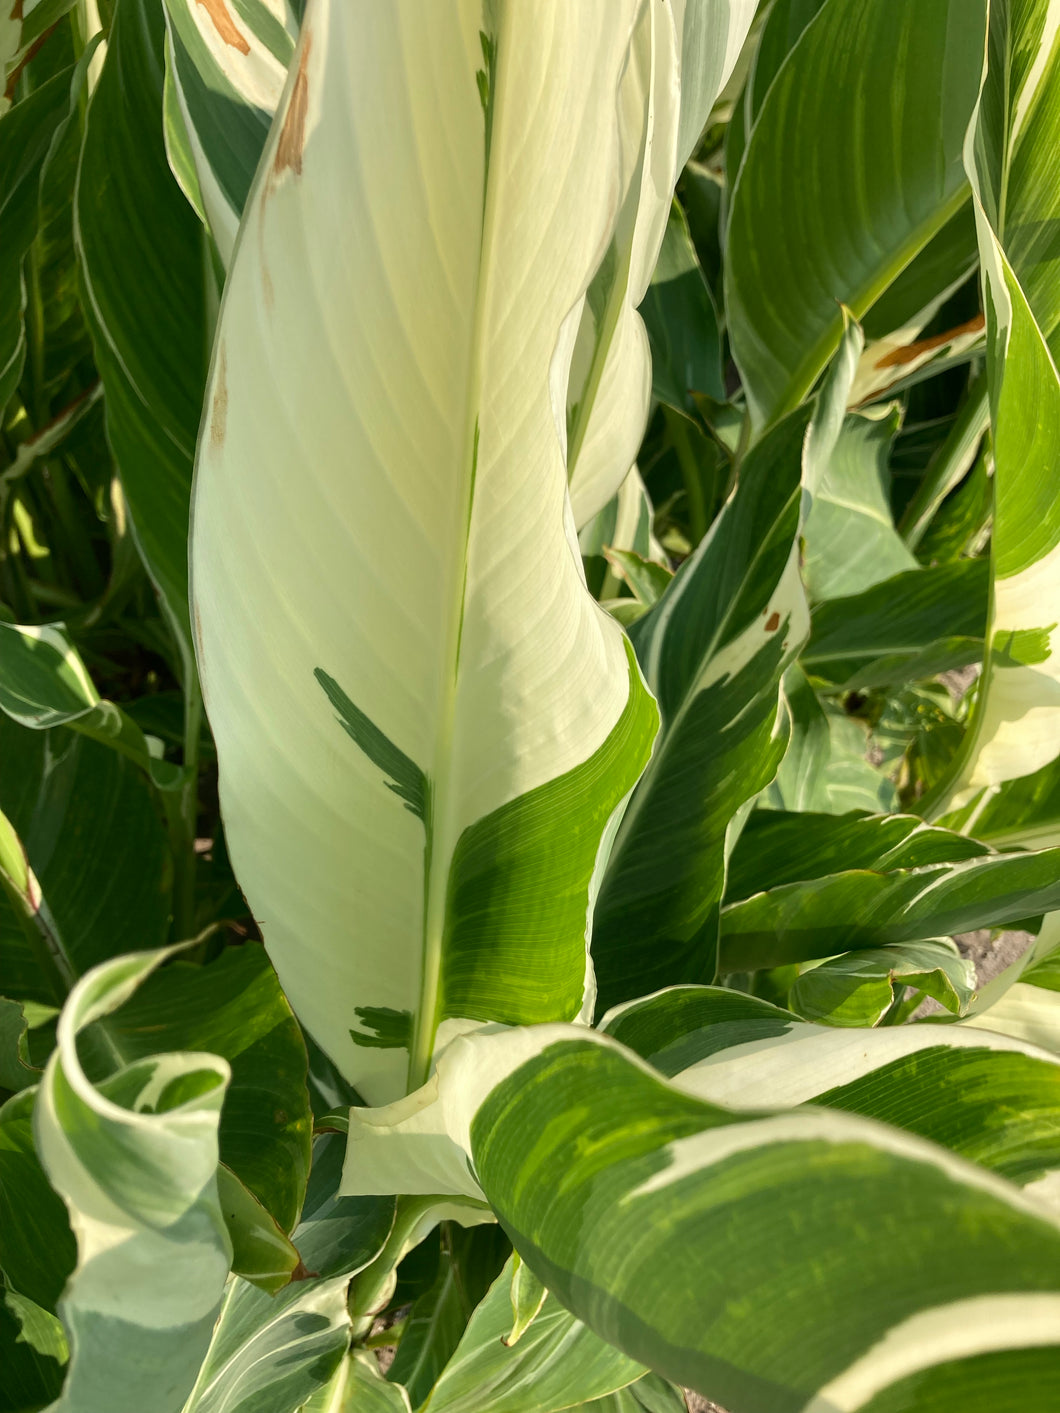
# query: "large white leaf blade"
135 1160
386 412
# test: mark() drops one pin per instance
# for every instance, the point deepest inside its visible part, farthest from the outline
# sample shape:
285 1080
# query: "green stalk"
183 813
686 459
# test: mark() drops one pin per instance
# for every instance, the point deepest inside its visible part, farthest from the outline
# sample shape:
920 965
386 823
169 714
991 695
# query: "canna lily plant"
571 460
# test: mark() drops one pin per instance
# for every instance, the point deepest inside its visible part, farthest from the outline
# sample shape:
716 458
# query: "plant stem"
690 473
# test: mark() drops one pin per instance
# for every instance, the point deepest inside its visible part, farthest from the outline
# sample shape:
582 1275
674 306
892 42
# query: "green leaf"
776 848
61 794
853 165
44 683
859 909
648 580
26 133
145 292
135 1160
357 1386
663 1219
857 988
989 1098
16 1069
682 323
825 766
478 909
851 542
557 1363
713 650
271 1353
914 625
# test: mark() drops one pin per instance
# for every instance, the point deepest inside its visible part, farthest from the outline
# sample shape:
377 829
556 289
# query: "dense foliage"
529 599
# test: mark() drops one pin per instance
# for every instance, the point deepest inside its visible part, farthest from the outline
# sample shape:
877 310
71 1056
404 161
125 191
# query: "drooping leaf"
859 908
853 165
858 988
517 709
700 1213
777 847
44 683
916 624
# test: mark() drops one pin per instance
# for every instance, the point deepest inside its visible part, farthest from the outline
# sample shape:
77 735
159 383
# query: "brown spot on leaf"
219 413
292 135
772 622
302 1273
221 18
198 630
912 351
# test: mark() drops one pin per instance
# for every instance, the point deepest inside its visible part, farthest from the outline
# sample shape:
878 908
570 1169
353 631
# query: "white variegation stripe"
702 1151
983 1325
1029 1014
808 1060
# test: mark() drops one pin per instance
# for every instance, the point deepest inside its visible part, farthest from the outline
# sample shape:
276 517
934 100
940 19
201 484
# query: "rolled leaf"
395 768
135 1160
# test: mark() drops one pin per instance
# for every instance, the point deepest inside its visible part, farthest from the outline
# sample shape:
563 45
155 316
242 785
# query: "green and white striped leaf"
357 1386
852 167
662 1220
713 650
681 57
991 1098
270 1354
226 66
44 683
452 690
233 1007
914 625
1024 1001
1015 730
146 288
557 1363
861 908
135 1160
776 847
858 988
